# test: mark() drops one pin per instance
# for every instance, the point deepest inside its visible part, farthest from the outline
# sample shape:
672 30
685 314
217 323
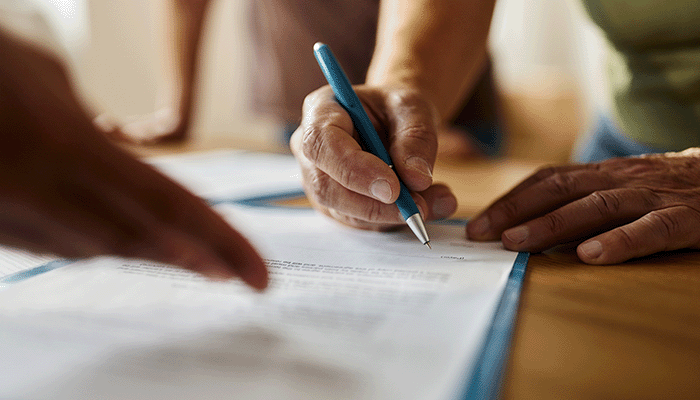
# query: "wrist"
446 94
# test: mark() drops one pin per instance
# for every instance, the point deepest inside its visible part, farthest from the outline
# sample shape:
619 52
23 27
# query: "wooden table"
629 331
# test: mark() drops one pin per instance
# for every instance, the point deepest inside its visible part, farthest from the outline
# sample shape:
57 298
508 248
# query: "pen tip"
318 45
428 244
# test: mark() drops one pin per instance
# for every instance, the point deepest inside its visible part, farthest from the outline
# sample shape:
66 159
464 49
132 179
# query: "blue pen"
347 98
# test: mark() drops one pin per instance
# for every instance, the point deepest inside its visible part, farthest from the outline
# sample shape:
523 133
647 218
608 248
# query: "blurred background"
547 56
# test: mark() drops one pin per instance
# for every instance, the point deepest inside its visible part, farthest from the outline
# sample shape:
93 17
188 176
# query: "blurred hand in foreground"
622 208
67 190
352 185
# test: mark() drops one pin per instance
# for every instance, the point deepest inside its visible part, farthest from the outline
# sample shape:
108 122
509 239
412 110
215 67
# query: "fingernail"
444 206
381 190
481 226
518 234
592 249
420 165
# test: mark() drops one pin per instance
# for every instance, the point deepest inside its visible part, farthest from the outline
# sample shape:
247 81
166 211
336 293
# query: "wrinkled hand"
624 208
65 189
355 187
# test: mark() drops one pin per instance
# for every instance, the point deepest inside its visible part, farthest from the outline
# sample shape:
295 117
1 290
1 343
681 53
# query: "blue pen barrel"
371 143
347 98
405 202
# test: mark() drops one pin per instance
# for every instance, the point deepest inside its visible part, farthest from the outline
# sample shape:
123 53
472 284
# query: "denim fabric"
608 142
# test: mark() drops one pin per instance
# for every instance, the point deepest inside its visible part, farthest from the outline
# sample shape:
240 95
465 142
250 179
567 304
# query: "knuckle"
510 210
309 101
405 97
623 236
319 187
606 202
420 133
650 198
561 185
417 134
417 130
544 173
374 212
313 98
346 176
554 222
661 224
312 142
411 101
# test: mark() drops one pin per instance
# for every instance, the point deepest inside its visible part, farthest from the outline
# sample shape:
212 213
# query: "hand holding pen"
355 187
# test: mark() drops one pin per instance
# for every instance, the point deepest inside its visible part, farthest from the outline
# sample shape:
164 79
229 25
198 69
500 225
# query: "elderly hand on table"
623 208
65 189
355 187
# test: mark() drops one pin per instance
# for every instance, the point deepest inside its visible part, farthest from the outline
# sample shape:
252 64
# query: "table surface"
627 331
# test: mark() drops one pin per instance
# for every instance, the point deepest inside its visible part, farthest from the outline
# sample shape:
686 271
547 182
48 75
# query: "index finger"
177 226
327 141
535 199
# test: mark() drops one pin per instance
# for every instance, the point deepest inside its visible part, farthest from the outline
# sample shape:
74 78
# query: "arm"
179 38
437 47
65 189
427 57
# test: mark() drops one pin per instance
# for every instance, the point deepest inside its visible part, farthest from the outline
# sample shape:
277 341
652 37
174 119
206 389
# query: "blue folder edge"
22 275
485 382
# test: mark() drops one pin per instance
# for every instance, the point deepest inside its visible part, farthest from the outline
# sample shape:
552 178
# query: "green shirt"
654 68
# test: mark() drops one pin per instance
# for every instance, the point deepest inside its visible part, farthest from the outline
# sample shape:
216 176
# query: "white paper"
13 260
349 315
231 174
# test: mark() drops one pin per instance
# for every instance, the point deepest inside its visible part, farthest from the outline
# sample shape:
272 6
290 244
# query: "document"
13 261
231 174
349 314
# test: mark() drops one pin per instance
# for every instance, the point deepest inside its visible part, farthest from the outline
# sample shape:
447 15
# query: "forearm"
180 33
435 46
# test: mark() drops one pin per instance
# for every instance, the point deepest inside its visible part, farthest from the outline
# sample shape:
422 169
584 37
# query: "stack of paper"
349 315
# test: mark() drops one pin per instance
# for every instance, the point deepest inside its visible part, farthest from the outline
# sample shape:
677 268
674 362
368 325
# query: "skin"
65 189
352 185
179 42
426 61
408 102
623 208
